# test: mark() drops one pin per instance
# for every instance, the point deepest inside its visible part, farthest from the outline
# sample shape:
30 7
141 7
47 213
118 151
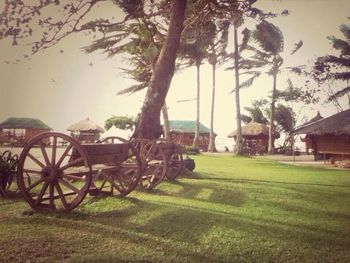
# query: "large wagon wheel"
48 177
153 162
124 179
175 163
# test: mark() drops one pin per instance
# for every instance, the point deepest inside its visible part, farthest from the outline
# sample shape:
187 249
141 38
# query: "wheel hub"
49 174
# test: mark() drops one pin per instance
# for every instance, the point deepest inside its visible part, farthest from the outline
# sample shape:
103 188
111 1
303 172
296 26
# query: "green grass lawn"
232 209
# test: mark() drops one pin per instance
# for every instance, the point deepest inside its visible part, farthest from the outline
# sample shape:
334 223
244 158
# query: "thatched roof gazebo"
255 137
17 131
86 130
253 130
336 124
329 135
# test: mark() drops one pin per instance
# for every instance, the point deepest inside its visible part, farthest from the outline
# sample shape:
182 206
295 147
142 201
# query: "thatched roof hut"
336 124
255 137
85 125
253 129
23 123
86 130
316 118
329 137
17 131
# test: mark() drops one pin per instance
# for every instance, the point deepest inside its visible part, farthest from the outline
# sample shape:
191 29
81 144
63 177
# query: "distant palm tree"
216 55
271 44
193 51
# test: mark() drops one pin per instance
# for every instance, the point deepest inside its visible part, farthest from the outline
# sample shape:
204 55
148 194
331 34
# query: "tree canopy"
332 68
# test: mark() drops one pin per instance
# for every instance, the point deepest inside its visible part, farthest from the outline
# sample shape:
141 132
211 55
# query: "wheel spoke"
54 147
74 177
61 195
58 164
52 194
130 170
43 151
121 182
117 186
147 153
31 171
41 194
36 160
34 185
73 163
103 183
68 185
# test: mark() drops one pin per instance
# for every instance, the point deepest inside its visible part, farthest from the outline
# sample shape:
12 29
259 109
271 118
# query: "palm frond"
341 76
269 37
245 118
187 100
132 89
297 70
249 82
345 29
340 61
340 44
290 85
297 46
246 36
339 94
250 64
258 54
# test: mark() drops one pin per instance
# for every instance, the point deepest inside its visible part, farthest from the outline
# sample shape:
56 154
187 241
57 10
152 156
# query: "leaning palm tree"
142 52
270 46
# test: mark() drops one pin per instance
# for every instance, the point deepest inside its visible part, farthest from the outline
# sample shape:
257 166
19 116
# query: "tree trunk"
166 128
272 116
196 134
239 146
212 147
148 123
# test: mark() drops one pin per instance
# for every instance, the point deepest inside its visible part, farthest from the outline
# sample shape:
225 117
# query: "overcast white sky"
61 88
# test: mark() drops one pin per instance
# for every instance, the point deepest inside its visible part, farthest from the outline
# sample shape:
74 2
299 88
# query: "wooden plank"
105 149
95 168
56 195
110 154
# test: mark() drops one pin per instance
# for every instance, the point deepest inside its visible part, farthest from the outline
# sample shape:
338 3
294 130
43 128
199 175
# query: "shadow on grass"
196 233
210 176
203 217
212 192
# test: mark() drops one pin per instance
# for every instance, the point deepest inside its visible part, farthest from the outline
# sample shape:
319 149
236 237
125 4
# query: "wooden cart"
55 172
159 159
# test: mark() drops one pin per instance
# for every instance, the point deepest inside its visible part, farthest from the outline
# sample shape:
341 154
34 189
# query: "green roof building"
183 131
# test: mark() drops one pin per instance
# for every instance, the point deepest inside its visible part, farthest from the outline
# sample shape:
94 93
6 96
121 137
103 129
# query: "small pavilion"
255 138
85 131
